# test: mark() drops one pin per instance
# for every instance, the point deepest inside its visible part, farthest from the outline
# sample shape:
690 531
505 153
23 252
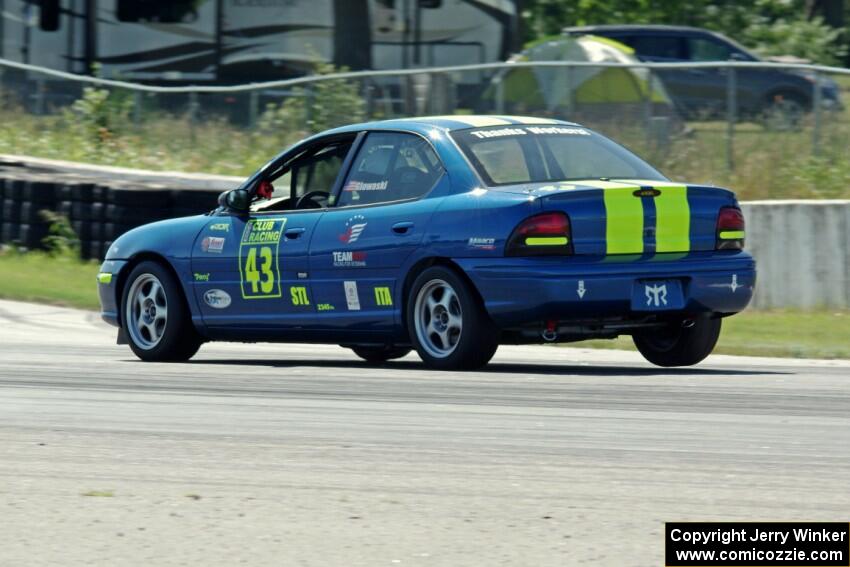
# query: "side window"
658 47
390 167
503 160
319 171
703 49
312 172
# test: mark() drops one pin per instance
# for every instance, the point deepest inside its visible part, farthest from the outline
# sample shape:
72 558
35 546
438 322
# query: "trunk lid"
634 217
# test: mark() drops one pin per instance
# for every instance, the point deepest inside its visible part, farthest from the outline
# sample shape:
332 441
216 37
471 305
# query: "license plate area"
657 295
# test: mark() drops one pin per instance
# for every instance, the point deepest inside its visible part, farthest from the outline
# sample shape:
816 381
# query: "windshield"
529 154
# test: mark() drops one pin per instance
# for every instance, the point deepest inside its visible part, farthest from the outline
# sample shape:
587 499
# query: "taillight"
730 229
541 235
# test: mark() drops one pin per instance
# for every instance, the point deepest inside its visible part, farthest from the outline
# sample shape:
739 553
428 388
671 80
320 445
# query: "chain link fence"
767 130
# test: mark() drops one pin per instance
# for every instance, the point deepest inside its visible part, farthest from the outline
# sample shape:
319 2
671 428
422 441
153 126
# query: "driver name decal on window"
536 130
498 133
259 269
551 130
362 186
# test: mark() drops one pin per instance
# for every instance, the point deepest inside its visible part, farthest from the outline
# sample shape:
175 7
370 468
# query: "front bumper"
520 291
107 286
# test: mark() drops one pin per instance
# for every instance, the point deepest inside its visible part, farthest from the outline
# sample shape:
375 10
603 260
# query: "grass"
39 277
787 334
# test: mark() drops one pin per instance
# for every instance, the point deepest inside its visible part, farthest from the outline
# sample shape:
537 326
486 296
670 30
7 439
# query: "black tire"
135 216
31 212
31 235
379 353
14 189
177 340
137 196
81 211
84 192
197 201
477 339
677 345
41 192
9 232
11 211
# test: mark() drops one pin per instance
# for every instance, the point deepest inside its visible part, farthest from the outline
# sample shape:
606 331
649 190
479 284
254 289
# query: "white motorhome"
228 41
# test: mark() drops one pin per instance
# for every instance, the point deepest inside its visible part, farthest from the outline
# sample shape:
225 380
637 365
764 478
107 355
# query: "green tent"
559 89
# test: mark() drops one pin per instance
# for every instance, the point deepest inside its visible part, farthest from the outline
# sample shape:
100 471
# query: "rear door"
379 219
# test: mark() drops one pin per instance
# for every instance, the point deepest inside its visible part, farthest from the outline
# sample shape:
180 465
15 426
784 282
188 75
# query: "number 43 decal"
262 281
259 248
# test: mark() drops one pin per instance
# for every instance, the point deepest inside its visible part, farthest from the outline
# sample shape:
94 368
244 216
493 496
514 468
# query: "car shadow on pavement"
494 368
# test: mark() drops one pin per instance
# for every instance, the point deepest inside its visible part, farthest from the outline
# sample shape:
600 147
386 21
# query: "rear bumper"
519 291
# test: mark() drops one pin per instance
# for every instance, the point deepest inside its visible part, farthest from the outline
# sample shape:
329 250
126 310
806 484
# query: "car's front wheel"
379 353
447 323
156 319
679 345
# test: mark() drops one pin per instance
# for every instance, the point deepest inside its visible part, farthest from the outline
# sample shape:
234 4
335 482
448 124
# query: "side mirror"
236 200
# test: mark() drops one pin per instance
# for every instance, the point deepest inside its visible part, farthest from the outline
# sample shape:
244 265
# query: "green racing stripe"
673 220
624 221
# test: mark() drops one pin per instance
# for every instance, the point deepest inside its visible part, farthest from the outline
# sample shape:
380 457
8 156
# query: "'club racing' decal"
259 268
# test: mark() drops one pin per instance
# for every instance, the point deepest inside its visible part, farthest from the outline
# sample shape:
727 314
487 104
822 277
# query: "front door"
250 272
379 219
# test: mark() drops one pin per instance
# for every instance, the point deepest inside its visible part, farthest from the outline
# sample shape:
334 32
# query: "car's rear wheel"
447 323
679 345
156 319
379 353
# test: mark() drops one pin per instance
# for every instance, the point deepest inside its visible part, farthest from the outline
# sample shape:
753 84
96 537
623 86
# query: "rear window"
530 154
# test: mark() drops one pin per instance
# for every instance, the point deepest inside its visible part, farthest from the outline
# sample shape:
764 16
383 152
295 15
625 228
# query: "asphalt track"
302 455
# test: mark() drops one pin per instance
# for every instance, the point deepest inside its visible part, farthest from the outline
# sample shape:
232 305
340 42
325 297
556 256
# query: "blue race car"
450 235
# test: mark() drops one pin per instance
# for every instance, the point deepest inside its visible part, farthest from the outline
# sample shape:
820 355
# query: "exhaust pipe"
549 334
688 323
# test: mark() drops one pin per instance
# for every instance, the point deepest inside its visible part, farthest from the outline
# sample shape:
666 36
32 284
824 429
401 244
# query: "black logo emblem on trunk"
646 192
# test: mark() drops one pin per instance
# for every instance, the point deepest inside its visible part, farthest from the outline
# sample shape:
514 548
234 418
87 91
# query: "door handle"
402 227
294 233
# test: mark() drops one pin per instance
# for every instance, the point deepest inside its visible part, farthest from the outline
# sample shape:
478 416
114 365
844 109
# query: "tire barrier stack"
99 210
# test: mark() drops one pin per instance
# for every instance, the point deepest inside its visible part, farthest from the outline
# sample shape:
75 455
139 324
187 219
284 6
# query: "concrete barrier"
803 252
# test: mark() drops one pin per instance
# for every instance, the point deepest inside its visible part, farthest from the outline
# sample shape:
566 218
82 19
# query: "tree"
772 27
